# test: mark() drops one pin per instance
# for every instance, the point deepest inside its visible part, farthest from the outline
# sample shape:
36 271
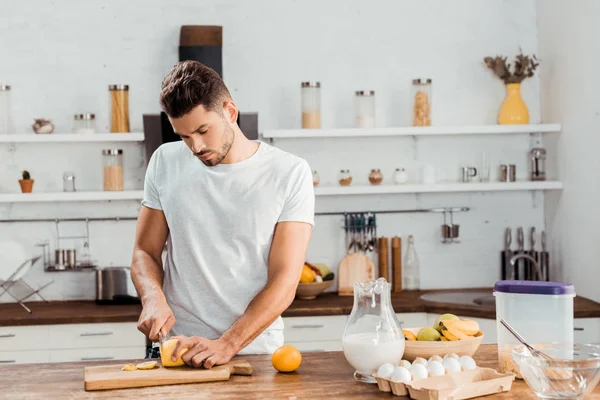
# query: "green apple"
428 335
436 325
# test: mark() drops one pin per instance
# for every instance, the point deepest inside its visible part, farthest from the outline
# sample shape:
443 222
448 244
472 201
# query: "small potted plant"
26 183
513 109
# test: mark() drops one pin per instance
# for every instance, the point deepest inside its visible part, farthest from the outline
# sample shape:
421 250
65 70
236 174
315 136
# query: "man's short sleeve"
151 195
300 200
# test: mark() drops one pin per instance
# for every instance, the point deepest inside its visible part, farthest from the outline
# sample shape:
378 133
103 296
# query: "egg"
452 365
467 363
385 370
452 355
405 364
435 358
401 374
420 360
436 368
418 371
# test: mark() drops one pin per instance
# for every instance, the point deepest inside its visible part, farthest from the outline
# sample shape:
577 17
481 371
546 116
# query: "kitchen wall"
59 58
569 51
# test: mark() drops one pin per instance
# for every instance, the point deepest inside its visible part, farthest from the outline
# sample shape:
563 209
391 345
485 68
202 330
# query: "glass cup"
484 167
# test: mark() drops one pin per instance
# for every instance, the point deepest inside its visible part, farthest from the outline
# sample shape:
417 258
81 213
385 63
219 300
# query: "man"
237 216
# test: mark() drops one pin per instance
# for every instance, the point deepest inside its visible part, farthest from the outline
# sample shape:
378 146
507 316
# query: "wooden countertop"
74 312
320 375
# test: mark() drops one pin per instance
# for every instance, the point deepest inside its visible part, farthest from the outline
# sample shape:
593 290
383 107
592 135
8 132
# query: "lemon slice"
147 365
128 367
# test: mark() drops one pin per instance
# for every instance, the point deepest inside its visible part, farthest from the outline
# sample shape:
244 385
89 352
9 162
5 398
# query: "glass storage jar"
311 105
365 108
113 169
84 123
375 177
345 178
5 110
421 98
316 178
68 181
119 111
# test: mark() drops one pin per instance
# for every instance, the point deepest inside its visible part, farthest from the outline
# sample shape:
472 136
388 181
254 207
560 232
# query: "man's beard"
228 137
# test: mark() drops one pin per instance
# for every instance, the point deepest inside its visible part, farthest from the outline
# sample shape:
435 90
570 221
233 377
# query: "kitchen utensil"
112 377
531 273
355 267
535 352
446 230
70 258
383 258
397 263
545 260
467 173
537 156
506 272
427 349
519 271
114 286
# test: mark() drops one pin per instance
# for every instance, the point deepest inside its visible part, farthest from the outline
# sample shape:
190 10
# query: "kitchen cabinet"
590 332
97 354
13 338
24 357
319 333
83 336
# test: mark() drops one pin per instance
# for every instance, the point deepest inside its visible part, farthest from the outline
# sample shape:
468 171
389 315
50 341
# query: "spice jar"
345 179
84 123
316 178
421 94
113 169
69 182
365 109
400 176
375 177
5 110
311 105
119 114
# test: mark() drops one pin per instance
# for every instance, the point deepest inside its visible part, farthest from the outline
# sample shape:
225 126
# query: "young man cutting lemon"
236 215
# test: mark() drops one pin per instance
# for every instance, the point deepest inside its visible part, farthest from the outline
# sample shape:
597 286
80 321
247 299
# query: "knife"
161 340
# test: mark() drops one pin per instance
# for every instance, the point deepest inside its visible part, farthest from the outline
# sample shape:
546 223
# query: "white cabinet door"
24 357
309 329
23 338
98 354
77 336
590 332
318 346
412 320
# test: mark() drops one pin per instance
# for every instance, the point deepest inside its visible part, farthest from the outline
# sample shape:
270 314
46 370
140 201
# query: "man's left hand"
204 352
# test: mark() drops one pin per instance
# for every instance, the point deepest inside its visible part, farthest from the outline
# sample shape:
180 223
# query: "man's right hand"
156 316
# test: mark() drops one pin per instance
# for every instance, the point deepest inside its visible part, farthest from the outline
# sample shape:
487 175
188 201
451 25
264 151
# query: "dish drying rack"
86 264
17 276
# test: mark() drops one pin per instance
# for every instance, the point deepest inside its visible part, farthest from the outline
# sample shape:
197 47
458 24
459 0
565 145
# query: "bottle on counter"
411 273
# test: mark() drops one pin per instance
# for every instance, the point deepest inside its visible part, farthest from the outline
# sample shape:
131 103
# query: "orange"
166 351
308 275
286 358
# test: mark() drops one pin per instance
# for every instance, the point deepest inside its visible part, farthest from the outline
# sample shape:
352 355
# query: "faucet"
536 265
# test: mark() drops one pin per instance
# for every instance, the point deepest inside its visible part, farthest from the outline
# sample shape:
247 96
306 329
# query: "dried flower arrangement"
524 67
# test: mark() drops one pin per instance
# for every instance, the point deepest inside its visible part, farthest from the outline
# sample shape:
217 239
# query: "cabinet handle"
8 335
308 326
578 329
96 358
7 361
96 334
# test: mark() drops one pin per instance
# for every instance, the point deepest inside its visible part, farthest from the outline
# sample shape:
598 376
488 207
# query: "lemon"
147 365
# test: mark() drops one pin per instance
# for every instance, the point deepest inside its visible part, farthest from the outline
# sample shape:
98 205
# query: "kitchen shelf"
71 196
71 137
438 188
411 131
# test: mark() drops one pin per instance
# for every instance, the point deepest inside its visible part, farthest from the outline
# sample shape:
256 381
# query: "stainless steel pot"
114 286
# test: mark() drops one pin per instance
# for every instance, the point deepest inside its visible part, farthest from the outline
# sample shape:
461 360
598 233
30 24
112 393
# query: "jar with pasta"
421 99
119 108
113 169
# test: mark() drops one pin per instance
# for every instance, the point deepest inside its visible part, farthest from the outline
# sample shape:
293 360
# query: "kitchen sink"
476 298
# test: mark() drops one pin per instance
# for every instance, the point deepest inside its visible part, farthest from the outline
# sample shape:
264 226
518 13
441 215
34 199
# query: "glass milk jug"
373 335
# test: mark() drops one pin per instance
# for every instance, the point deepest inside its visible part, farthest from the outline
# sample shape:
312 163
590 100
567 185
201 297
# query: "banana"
454 334
466 326
443 339
408 335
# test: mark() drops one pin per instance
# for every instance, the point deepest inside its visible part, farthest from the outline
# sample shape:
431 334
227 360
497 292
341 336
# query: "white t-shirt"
221 223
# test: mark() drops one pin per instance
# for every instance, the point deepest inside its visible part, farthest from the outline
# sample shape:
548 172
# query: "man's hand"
204 352
156 316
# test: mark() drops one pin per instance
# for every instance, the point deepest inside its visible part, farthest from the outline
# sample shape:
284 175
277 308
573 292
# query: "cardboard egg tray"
456 386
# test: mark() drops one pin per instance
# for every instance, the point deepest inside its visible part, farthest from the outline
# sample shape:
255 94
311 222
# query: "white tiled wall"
59 58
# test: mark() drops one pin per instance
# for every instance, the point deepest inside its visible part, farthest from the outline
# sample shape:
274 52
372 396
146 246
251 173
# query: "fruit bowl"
426 349
309 291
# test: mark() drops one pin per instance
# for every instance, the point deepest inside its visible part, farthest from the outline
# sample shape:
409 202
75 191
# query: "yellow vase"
513 110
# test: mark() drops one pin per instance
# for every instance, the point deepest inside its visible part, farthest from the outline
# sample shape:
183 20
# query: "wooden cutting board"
355 267
112 377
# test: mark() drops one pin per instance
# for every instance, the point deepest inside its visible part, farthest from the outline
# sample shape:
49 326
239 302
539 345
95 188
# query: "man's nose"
197 144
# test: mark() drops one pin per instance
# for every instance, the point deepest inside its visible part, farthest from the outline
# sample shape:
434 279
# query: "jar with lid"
311 105
365 108
119 108
69 181
84 123
316 178
421 99
5 110
400 176
345 178
113 169
375 177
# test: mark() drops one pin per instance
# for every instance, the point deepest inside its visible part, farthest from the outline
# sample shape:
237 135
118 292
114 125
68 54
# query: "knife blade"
161 340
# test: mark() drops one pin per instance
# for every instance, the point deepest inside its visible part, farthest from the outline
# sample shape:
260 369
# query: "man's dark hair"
190 84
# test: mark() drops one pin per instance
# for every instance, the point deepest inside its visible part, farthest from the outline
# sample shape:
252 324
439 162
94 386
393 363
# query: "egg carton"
455 386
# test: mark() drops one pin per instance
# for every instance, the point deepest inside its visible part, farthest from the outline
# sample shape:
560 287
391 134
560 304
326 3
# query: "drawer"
318 346
587 330
412 320
76 336
98 354
310 329
24 357
23 338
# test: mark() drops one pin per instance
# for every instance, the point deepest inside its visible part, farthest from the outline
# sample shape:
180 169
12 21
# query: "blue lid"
534 287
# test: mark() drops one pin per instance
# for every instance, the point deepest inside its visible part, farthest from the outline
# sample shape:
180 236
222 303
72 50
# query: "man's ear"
231 111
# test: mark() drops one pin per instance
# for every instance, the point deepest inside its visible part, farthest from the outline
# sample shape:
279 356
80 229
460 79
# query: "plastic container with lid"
542 312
